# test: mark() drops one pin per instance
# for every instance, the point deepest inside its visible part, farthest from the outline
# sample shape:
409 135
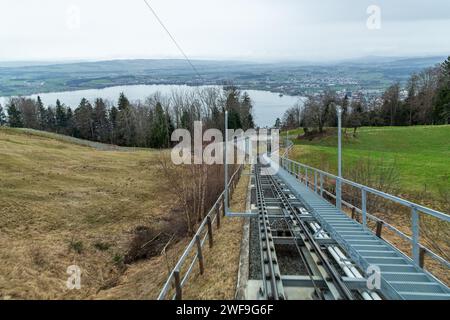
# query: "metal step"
349 227
405 276
378 253
422 287
350 237
374 247
386 260
424 296
390 267
374 241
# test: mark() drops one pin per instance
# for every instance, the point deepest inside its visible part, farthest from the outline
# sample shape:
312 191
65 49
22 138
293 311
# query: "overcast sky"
221 29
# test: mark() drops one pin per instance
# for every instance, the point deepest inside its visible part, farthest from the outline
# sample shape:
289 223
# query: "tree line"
424 101
134 124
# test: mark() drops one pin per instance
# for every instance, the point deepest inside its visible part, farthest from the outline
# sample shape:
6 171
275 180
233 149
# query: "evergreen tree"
234 120
14 116
246 112
249 122
185 120
84 123
42 114
277 123
170 128
50 119
101 121
113 122
125 126
69 123
441 110
60 117
159 129
123 103
2 117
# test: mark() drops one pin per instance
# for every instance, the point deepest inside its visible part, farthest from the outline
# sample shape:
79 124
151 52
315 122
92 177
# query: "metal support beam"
303 281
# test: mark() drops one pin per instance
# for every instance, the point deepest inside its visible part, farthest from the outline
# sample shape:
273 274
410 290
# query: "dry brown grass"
222 261
65 204
145 279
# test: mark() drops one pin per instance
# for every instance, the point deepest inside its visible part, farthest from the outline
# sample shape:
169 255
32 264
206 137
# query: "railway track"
284 221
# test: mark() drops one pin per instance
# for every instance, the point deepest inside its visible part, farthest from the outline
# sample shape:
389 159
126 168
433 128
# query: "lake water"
267 105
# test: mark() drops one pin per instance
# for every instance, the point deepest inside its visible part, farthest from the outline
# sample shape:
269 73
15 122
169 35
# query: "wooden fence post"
210 234
218 216
379 228
422 253
199 254
178 290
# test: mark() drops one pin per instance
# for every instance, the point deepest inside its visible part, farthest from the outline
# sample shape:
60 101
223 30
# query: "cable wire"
173 40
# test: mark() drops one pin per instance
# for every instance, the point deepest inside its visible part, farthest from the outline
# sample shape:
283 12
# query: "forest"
133 124
424 101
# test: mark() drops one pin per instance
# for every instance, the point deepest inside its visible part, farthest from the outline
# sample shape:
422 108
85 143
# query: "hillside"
419 156
68 201
67 204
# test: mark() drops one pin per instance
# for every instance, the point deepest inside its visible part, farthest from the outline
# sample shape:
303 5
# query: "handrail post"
364 207
338 194
315 181
225 166
321 184
210 234
199 254
178 289
306 177
415 235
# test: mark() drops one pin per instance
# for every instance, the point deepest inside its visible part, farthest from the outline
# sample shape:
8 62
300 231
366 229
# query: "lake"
267 105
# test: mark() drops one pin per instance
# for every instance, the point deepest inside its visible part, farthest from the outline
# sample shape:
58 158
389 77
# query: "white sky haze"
221 29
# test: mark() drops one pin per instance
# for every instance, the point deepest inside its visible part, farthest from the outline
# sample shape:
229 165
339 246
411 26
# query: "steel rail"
269 263
340 286
293 232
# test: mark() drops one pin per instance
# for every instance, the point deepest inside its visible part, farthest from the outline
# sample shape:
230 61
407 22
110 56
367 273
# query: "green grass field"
420 154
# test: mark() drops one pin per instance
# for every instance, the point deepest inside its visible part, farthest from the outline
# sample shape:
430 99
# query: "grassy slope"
54 193
221 264
421 154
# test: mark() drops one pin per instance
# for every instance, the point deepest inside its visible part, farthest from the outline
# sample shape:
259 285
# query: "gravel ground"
254 251
289 260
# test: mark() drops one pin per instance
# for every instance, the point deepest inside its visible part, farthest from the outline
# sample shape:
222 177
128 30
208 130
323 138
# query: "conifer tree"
14 116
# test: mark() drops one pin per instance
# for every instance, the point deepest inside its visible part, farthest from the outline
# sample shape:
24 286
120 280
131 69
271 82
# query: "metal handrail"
212 216
294 168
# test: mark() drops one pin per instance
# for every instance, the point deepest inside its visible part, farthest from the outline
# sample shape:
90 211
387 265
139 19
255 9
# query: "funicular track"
283 220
